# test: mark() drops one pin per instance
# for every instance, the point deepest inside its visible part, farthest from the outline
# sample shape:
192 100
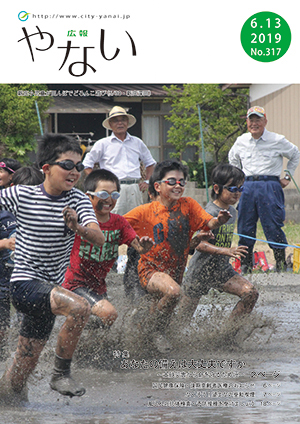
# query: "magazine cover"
173 129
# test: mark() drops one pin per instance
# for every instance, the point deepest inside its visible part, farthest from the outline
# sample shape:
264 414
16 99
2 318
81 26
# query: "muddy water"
208 377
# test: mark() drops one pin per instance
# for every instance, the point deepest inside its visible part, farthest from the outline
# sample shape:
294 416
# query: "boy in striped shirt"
48 216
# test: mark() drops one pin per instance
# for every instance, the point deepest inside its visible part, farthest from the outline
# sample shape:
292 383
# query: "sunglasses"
3 165
173 181
103 195
234 189
68 165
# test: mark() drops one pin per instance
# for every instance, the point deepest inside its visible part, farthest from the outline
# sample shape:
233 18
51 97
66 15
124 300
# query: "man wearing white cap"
259 153
121 153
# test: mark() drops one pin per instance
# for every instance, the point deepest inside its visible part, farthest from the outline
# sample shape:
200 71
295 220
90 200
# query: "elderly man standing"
259 153
121 154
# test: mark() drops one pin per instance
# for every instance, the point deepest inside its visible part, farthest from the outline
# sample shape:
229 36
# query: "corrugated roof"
87 100
78 105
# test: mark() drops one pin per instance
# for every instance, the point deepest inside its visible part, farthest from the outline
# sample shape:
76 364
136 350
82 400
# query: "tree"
221 112
19 122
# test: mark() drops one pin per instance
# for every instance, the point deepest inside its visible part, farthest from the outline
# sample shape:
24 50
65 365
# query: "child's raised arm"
232 252
142 245
91 232
223 216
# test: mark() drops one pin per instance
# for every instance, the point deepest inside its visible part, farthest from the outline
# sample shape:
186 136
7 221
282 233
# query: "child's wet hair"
222 174
27 175
161 169
52 146
92 180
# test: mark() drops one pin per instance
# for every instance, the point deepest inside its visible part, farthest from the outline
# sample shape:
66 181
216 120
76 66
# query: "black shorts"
91 296
32 298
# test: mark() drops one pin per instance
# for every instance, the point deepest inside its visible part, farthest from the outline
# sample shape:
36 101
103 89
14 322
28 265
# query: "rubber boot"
247 262
61 379
279 255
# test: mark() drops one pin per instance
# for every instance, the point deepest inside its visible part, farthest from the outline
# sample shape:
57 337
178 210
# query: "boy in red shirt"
89 264
171 220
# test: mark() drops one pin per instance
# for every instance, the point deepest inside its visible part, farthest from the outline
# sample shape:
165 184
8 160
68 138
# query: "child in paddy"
90 264
171 220
48 216
209 267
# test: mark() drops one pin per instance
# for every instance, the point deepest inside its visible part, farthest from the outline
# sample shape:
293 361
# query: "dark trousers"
262 200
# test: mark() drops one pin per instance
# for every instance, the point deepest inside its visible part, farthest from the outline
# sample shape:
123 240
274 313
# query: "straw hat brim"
131 120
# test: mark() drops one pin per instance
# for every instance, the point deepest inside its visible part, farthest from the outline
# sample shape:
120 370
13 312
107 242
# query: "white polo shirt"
120 157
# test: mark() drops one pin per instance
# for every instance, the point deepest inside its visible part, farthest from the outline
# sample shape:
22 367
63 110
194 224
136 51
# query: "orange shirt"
171 229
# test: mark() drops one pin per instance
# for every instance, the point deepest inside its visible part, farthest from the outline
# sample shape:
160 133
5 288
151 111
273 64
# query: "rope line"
266 241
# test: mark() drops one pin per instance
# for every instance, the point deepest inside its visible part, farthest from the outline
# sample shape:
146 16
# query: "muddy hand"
147 243
204 235
223 216
239 251
70 218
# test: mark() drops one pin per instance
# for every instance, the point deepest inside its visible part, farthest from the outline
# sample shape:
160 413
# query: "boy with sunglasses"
209 267
90 264
48 216
171 220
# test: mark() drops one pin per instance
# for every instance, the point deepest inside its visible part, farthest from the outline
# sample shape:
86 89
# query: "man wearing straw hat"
259 153
121 154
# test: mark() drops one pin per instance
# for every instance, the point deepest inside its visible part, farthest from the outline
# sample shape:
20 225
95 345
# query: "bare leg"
77 312
28 351
167 289
168 292
25 360
248 294
105 311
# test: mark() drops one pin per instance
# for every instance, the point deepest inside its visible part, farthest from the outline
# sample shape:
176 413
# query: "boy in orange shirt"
171 221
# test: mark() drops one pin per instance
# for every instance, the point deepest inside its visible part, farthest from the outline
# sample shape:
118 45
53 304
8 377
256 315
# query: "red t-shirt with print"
90 264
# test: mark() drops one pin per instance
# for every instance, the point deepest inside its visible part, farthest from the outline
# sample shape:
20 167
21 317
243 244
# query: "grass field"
292 232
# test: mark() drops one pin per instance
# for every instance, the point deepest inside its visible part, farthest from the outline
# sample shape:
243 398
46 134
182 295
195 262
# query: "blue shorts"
90 295
32 298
